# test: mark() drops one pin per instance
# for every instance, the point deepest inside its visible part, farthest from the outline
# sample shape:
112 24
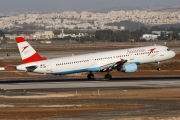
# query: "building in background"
43 35
149 37
40 34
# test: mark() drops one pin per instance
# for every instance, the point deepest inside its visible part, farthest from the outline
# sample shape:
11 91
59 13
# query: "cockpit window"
168 49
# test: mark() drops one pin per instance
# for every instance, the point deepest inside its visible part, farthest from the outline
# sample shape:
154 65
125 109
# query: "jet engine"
132 67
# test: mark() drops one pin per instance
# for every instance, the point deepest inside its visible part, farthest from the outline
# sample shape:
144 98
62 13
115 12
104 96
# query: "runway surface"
119 98
98 83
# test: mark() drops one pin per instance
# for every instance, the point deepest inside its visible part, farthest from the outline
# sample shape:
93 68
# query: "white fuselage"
92 61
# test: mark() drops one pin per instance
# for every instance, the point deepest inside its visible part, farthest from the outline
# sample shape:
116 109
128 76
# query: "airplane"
124 60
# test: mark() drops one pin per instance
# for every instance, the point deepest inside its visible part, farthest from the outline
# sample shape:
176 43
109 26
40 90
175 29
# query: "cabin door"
161 52
131 56
92 61
48 67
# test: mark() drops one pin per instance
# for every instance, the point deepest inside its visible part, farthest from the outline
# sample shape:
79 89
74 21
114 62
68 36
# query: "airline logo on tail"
28 54
24 48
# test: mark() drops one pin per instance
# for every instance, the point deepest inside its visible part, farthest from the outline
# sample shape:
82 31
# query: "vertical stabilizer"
28 54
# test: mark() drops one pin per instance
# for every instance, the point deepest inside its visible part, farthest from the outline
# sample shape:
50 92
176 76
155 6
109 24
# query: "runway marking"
5 106
91 84
39 96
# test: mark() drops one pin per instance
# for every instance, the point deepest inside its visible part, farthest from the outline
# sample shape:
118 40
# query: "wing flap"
111 66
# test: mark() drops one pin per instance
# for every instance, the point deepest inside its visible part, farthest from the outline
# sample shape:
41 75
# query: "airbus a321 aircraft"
124 60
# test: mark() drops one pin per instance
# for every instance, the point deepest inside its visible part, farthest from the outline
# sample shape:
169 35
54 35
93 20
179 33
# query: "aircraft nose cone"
173 53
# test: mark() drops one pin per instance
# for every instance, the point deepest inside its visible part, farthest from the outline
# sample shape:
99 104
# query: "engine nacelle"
132 67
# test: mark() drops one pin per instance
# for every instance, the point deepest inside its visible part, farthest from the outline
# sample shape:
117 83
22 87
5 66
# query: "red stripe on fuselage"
34 58
20 39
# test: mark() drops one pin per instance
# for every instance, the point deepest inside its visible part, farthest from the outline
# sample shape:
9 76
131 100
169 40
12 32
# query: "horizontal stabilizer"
11 65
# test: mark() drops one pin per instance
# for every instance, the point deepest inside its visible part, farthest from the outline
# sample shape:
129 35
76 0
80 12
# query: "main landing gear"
108 76
158 66
90 76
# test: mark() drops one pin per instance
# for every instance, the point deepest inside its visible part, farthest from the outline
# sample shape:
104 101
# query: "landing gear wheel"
158 68
118 69
108 76
90 76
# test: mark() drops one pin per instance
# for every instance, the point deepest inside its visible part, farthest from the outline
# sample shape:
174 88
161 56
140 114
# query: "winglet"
28 54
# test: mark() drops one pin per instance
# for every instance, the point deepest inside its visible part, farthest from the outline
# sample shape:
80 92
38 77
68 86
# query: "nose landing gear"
158 66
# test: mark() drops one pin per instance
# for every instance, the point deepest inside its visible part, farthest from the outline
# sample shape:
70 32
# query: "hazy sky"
79 5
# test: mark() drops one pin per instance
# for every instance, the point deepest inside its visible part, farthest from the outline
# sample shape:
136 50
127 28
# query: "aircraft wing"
111 66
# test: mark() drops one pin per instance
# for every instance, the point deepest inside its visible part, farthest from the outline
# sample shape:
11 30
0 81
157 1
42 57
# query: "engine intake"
132 67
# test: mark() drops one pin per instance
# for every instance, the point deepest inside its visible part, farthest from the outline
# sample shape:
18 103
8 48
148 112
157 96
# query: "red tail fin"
28 54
